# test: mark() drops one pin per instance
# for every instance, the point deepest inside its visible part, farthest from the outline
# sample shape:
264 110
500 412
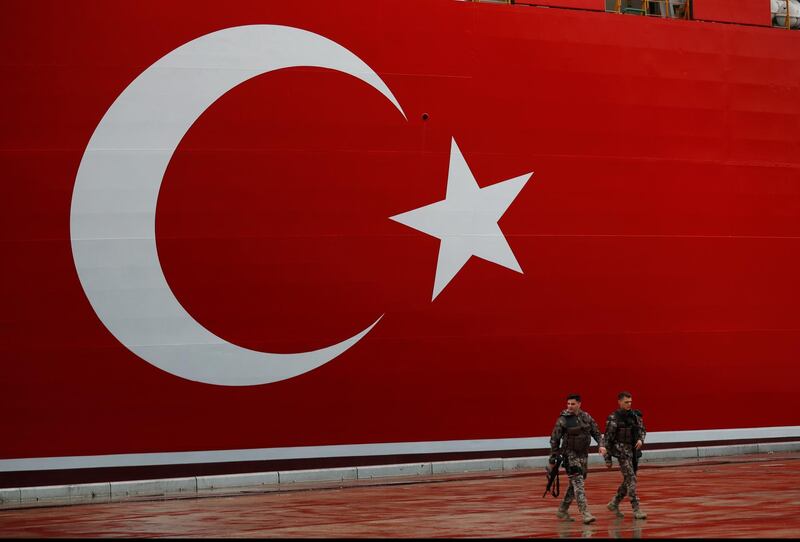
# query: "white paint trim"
285 480
358 450
705 435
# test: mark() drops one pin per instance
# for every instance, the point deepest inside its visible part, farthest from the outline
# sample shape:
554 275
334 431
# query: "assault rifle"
552 476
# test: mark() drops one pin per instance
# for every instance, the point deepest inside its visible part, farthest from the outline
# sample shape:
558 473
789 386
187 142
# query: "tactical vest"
625 428
578 439
624 434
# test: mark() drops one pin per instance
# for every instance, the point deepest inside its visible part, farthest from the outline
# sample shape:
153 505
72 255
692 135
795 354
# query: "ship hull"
658 237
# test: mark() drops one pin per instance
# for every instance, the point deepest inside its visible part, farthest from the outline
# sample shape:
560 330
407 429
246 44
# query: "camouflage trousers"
624 454
576 489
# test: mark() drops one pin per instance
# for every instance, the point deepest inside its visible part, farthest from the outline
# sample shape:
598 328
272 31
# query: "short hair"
574 396
622 394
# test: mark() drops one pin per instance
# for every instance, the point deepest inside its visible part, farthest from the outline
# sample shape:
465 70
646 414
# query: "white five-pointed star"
466 220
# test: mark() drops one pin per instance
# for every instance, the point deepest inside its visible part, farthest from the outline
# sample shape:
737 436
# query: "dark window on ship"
675 9
779 10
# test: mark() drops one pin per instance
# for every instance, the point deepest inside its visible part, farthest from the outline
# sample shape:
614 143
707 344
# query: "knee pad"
575 469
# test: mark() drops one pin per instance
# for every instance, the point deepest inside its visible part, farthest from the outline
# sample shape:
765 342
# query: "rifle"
552 476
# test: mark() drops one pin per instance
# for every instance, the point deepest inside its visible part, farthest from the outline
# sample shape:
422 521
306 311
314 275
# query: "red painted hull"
659 237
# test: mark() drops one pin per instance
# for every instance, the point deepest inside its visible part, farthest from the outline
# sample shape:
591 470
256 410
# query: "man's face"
625 403
573 405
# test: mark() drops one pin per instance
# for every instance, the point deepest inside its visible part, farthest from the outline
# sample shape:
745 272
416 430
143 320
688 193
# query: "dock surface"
754 496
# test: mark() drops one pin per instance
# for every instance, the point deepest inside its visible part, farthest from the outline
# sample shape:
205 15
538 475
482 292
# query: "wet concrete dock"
733 497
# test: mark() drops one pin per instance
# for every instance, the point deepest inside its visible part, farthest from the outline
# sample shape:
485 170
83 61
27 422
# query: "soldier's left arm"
643 432
611 430
594 430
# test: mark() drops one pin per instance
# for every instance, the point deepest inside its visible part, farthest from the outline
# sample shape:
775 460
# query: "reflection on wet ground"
741 497
614 528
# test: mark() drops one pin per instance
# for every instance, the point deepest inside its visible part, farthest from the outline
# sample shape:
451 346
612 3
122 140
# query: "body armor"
624 434
626 424
577 437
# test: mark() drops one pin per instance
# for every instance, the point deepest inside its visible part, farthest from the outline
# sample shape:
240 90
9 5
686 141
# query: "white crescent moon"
112 220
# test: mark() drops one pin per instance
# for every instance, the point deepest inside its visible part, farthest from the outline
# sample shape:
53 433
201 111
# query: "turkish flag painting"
311 224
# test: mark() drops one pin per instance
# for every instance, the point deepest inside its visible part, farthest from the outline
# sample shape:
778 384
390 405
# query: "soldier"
624 437
575 427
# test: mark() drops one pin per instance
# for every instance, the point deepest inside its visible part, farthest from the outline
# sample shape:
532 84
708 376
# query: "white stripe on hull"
356 450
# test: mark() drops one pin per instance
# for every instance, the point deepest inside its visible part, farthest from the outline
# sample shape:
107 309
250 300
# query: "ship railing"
667 9
780 9
784 13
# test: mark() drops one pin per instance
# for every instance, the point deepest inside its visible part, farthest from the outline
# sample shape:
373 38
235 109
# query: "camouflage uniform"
575 430
623 429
